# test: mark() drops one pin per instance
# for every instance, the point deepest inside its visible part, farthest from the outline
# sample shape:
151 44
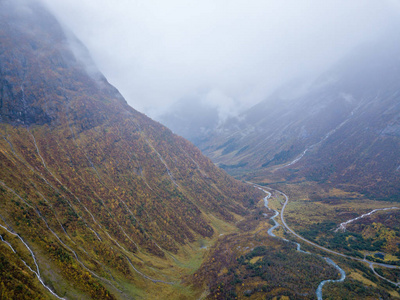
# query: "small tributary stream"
327 259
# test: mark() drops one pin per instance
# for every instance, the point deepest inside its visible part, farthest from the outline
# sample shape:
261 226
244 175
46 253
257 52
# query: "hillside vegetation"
96 200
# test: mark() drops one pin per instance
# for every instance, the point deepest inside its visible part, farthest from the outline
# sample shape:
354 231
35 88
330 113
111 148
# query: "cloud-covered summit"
160 52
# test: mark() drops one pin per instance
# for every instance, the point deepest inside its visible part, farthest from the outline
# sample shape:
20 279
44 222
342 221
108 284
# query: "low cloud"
224 105
234 52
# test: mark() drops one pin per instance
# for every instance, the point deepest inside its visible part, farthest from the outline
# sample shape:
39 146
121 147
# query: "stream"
327 259
36 270
342 277
273 217
343 225
299 157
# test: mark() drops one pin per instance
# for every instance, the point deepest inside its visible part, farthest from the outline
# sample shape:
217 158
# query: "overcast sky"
231 53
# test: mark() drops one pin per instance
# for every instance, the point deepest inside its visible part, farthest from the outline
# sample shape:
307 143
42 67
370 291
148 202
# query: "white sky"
230 52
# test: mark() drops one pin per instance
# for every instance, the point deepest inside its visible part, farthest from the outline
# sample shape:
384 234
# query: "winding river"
276 225
270 232
328 260
342 277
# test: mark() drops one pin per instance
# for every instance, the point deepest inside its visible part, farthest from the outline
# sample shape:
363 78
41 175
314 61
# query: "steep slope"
343 128
95 198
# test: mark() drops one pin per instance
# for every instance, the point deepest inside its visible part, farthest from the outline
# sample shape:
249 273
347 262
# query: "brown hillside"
93 187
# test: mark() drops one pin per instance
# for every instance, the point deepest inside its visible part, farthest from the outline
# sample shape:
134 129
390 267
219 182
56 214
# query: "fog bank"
228 53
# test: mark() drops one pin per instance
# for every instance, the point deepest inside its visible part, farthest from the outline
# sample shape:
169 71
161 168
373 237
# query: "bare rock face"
41 71
21 61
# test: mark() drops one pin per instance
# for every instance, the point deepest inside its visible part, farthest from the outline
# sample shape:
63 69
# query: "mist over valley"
208 150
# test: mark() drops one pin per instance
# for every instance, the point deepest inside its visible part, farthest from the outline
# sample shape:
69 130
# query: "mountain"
96 199
343 128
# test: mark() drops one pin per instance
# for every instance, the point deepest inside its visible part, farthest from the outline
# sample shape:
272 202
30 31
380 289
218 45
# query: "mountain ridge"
296 132
103 197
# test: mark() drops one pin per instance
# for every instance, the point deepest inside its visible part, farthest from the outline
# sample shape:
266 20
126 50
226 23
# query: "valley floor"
263 261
